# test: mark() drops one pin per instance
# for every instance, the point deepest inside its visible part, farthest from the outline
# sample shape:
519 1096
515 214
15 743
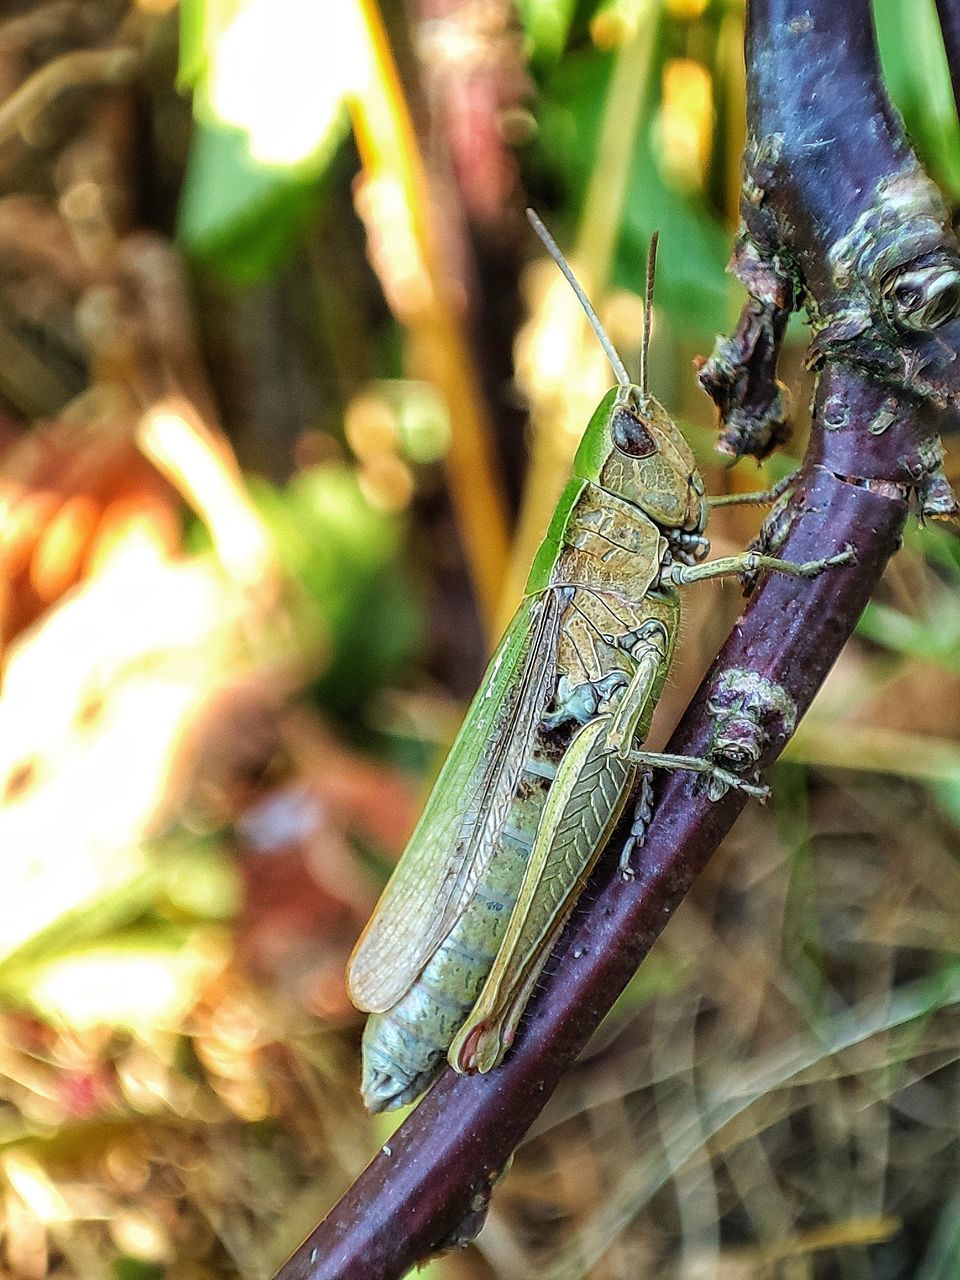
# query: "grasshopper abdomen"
404 1046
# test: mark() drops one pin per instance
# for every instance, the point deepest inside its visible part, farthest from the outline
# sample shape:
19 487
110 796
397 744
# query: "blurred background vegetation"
287 392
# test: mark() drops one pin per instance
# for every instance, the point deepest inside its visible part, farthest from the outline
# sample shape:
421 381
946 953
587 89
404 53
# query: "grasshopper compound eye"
631 436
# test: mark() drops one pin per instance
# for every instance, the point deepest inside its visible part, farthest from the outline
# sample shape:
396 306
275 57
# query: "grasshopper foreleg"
758 498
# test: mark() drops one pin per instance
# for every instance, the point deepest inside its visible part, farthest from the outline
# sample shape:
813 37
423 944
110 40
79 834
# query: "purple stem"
816 88
853 490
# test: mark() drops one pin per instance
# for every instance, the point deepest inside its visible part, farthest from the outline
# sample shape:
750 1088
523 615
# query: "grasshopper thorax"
634 449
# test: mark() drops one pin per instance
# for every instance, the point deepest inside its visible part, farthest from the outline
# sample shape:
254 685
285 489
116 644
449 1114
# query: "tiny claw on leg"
813 568
719 782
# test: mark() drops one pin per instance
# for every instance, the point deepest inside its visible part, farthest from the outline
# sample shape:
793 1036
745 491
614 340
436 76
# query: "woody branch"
837 217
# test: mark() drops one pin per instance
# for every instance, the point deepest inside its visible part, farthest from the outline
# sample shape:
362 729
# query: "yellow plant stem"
394 200
730 61
849 1233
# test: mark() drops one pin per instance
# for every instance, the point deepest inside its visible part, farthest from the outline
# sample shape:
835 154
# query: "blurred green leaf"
661 974
268 120
692 283
109 890
947 795
127 1268
933 638
942 1258
237 216
199 21
56 902
139 980
547 24
932 634
916 72
346 555
198 878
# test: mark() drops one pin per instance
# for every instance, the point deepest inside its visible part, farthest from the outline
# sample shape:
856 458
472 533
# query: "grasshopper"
550 750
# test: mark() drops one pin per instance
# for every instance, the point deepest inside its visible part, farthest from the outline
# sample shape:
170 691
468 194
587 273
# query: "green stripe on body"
549 549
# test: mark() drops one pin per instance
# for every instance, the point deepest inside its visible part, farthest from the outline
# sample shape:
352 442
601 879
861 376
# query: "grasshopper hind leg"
718 780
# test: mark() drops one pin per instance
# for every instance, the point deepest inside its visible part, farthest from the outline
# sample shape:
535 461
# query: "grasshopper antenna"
551 246
648 312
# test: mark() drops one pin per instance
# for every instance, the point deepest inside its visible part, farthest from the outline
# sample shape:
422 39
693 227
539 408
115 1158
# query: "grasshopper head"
633 448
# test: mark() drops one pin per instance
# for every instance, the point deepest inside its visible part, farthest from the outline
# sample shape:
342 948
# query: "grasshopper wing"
458 830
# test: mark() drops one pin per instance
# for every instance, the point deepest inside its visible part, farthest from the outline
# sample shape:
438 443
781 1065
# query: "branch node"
886 297
900 253
749 712
740 375
935 497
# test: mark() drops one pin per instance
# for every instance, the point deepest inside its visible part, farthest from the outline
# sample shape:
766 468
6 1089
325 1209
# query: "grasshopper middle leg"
750 561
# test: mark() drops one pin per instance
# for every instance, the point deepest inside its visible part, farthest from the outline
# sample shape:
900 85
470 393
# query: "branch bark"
837 214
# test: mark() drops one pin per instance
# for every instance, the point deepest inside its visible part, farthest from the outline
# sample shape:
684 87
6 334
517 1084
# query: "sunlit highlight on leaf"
140 984
281 70
686 123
